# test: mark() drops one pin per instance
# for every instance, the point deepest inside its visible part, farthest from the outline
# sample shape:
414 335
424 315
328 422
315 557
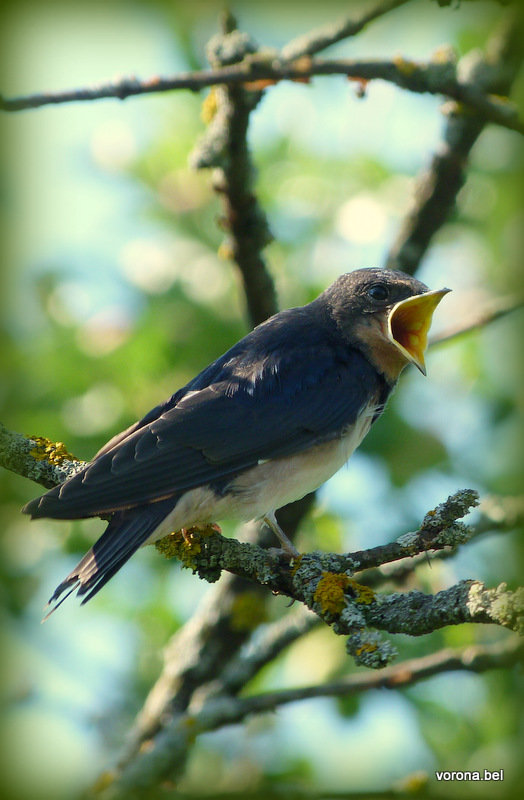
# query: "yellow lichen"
367 647
209 106
443 55
330 592
170 544
500 98
46 450
412 784
225 251
363 594
404 66
456 108
303 63
247 612
296 564
104 781
190 723
184 545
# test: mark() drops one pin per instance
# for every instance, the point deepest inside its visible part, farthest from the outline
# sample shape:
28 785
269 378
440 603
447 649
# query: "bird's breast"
274 483
270 484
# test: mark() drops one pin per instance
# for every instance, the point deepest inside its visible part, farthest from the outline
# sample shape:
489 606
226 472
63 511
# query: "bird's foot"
282 552
287 545
186 532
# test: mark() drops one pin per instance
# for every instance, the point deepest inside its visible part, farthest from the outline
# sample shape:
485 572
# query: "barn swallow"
269 421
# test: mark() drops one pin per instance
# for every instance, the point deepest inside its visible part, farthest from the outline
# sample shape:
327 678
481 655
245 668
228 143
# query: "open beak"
409 322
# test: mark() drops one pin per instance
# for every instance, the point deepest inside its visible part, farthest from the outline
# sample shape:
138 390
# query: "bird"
262 426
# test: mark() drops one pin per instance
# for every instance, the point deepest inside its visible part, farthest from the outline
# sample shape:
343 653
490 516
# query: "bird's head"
387 314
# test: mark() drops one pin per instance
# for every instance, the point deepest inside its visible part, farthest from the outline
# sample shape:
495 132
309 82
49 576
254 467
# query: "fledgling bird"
266 423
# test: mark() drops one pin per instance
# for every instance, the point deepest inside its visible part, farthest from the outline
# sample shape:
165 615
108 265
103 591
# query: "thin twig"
224 148
434 77
320 38
266 644
471 659
200 652
483 316
498 514
42 461
437 187
165 755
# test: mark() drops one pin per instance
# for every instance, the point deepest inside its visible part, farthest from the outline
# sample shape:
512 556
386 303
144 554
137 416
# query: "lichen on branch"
224 148
37 458
324 582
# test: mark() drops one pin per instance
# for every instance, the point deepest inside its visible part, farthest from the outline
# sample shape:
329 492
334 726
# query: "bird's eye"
378 292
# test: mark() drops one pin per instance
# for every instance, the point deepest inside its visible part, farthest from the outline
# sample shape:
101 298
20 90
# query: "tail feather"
126 532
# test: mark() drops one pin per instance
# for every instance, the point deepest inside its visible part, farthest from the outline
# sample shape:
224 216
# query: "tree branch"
498 514
224 147
310 43
261 647
209 553
343 602
265 645
42 461
201 651
437 188
257 70
490 312
165 755
192 657
323 581
471 659
415 613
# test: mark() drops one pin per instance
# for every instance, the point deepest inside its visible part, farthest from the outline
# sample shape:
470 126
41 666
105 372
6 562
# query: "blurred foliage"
79 376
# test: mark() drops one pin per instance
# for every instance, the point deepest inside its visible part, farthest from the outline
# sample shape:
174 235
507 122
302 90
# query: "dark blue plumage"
268 397
301 379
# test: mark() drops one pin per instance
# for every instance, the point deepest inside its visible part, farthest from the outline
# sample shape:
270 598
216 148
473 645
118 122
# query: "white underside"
268 486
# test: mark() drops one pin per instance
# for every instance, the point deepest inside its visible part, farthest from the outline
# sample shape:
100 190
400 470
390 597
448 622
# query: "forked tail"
126 532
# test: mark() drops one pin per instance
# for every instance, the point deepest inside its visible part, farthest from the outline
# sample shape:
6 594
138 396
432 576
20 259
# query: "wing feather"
255 403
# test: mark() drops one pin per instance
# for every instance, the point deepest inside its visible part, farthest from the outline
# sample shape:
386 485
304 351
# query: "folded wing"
255 403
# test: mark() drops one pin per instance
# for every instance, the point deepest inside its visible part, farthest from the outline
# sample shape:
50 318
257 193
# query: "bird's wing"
253 409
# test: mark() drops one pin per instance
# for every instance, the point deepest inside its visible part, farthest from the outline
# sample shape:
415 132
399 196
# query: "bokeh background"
114 295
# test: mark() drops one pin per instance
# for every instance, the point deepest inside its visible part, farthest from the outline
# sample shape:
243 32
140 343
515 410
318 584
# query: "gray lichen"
455 534
500 605
447 513
212 149
370 650
351 617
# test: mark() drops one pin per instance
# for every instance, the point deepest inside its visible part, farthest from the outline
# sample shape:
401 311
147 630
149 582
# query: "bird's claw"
186 532
279 552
